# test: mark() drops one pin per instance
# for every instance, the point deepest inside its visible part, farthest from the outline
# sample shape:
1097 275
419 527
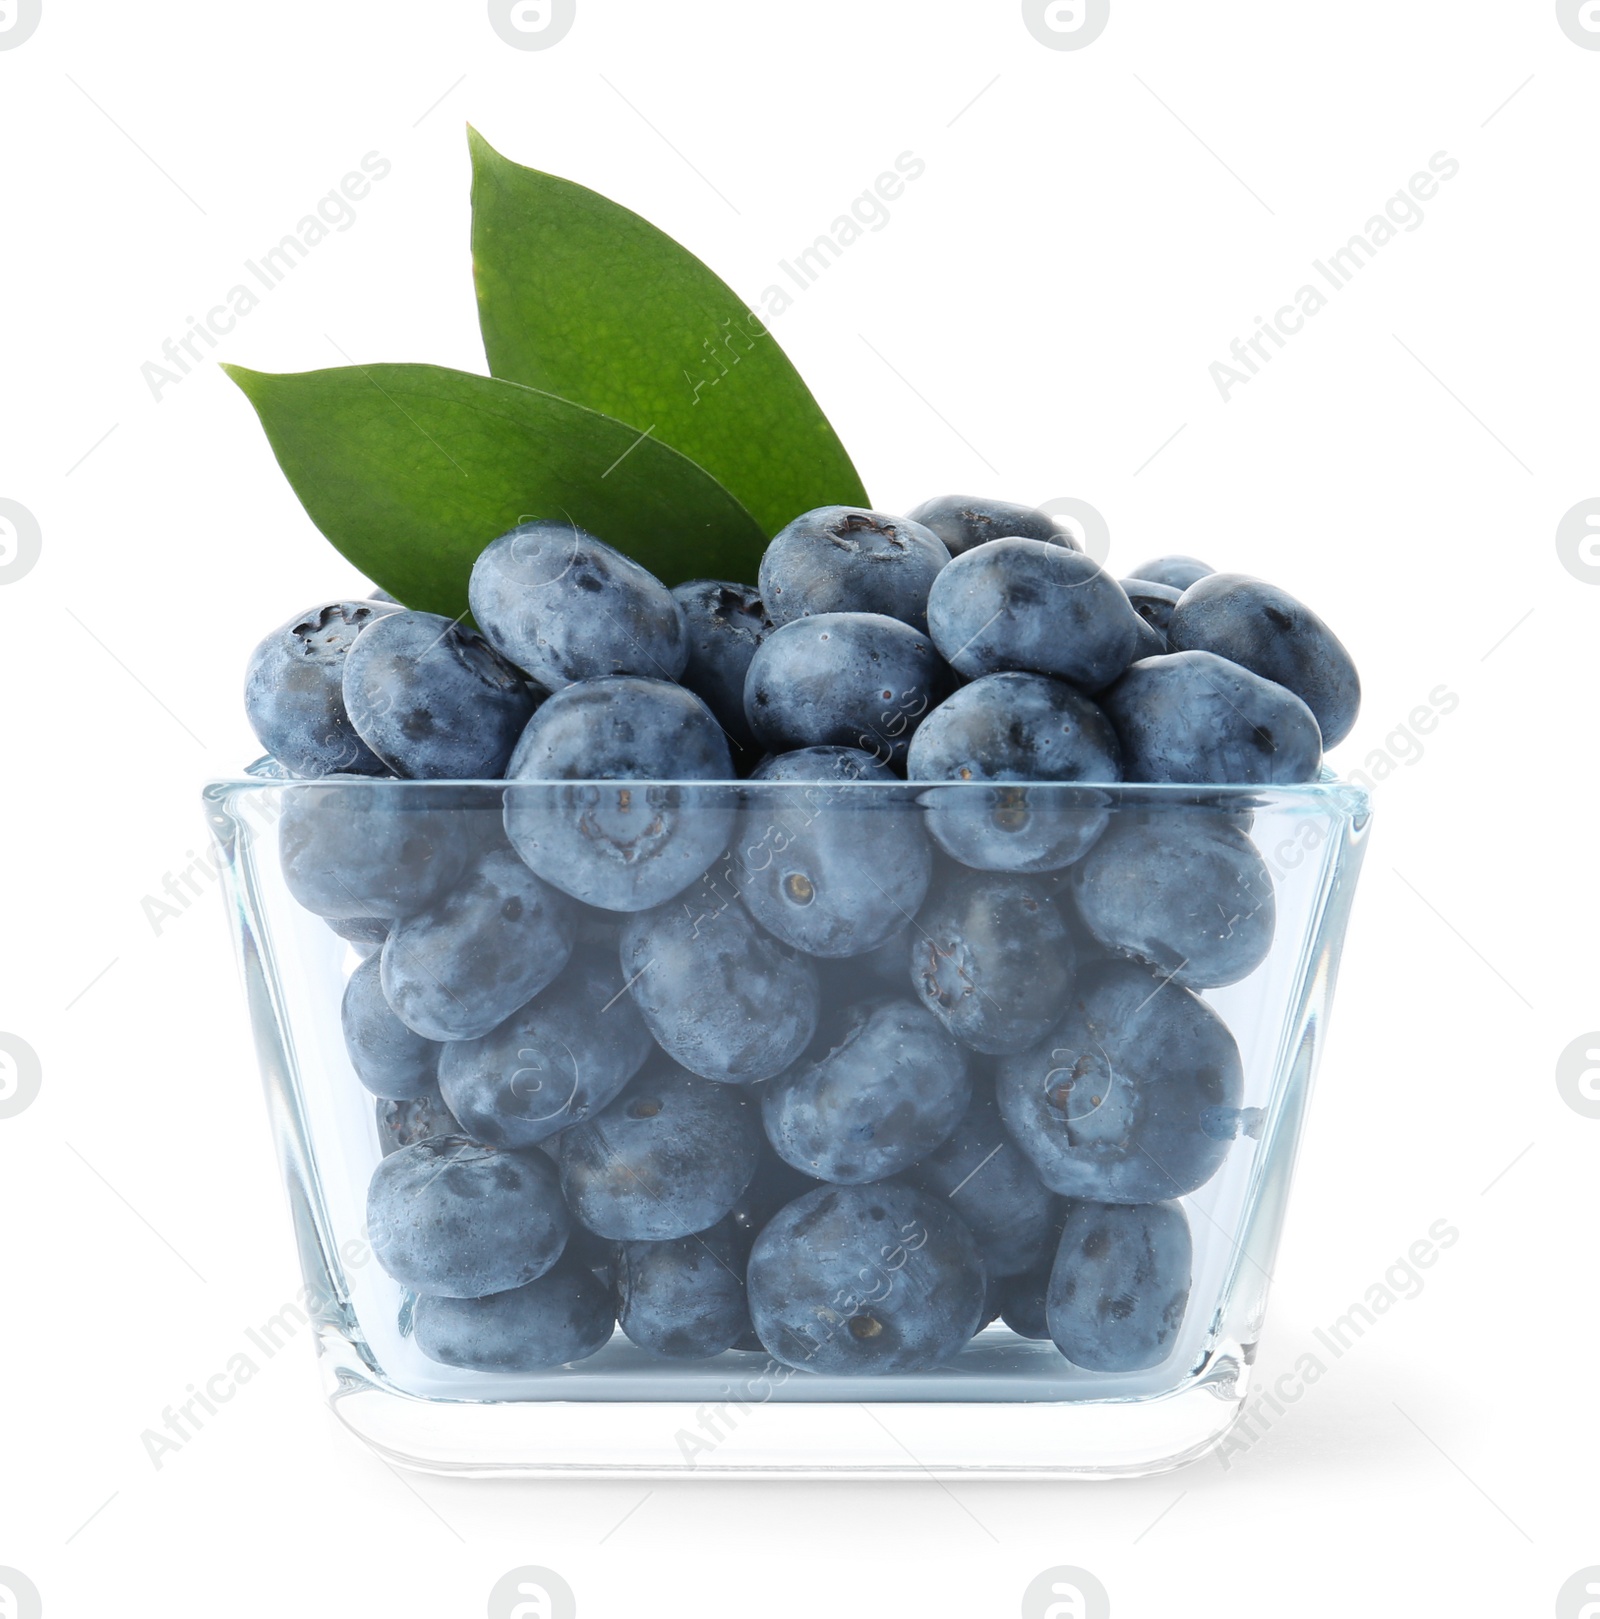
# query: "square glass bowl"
1005 1405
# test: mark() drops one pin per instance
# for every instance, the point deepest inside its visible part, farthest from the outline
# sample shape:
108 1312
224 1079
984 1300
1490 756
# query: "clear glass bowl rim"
1330 792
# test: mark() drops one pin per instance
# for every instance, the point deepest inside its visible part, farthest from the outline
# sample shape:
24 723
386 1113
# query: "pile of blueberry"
774 971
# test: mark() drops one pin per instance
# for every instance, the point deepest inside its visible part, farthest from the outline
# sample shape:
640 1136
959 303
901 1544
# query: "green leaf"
410 470
579 296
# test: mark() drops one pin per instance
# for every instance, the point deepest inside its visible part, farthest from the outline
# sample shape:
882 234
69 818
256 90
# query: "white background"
1090 234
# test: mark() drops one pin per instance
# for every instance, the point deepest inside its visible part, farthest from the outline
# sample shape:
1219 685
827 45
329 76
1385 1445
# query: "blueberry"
1027 604
987 1179
1183 890
883 968
668 1157
1120 1285
553 1063
837 869
354 848
1177 571
963 521
684 1298
565 606
389 1058
853 680
1268 632
420 1118
458 969
1022 1301
294 693
448 1216
725 625
720 996
1015 727
621 848
773 1185
563 1316
992 959
1114 1103
433 699
365 934
862 1280
842 559
1194 717
1153 603
894 1088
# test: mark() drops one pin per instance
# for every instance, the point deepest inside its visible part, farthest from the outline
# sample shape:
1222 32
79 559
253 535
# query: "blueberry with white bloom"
1182 889
850 680
839 868
1195 717
354 848
720 996
858 1281
992 958
1177 571
294 691
433 699
619 847
963 521
561 1316
1026 604
391 1059
564 606
1015 727
725 624
684 1298
553 1063
890 1092
1267 631
1132 1097
1120 1285
458 969
450 1217
670 1156
844 559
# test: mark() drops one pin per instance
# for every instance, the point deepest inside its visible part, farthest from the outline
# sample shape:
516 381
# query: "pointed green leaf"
579 296
410 470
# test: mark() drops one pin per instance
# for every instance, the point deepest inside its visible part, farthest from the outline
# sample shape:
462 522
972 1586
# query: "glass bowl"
1006 1405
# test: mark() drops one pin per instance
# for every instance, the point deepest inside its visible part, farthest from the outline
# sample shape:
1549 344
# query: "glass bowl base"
753 1431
